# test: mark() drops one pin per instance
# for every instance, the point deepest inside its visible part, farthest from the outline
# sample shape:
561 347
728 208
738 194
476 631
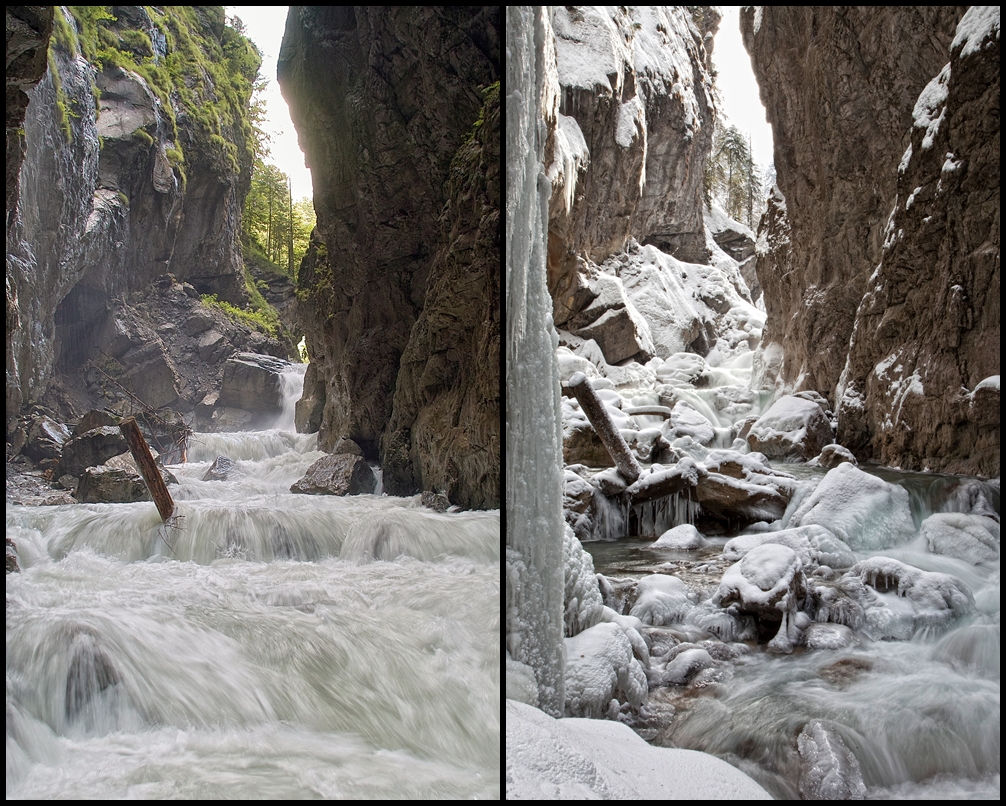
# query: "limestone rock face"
632 134
921 386
384 100
447 391
839 86
162 189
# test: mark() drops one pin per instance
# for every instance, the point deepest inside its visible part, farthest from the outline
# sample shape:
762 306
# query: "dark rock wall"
383 99
839 85
446 408
927 331
153 181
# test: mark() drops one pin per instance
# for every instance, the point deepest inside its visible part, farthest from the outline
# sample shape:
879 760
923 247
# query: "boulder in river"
90 449
110 485
337 474
252 382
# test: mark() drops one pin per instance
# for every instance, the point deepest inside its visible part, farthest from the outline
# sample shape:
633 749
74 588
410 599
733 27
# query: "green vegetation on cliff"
199 67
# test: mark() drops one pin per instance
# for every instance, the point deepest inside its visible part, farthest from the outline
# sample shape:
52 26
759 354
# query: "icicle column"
533 429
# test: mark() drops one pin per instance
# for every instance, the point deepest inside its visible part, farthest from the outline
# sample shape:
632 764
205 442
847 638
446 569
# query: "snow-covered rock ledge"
596 758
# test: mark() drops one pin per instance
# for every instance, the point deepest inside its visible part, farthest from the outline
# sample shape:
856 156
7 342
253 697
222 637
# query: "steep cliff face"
28 31
839 85
875 260
446 408
921 385
150 181
383 99
634 129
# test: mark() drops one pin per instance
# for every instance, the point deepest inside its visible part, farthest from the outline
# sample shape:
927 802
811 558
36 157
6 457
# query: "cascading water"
273 646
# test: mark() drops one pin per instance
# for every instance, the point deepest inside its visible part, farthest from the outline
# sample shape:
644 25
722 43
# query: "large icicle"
534 519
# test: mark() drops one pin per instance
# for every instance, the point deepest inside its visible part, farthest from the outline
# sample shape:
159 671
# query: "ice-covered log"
661 483
605 428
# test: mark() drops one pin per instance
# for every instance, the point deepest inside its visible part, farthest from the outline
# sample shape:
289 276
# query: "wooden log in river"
145 462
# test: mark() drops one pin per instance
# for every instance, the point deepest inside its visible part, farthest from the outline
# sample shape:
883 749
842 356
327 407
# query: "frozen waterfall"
534 565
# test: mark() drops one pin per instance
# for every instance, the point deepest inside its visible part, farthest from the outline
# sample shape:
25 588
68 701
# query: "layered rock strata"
390 110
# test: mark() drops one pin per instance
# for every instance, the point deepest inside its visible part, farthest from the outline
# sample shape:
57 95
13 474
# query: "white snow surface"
587 759
991 382
977 23
865 512
717 220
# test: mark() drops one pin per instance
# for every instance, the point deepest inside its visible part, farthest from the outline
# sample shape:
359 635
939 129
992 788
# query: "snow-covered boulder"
612 321
685 666
832 456
974 538
904 599
815 545
793 428
600 667
683 537
865 512
741 501
661 599
828 636
768 582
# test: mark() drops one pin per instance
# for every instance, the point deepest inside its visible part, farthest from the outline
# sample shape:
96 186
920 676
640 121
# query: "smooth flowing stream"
273 646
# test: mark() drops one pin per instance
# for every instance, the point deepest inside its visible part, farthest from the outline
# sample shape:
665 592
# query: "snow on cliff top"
974 26
718 221
595 42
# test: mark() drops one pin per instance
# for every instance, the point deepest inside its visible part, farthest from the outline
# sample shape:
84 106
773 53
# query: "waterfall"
534 594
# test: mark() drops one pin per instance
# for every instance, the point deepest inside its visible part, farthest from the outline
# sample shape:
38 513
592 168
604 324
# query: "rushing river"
273 646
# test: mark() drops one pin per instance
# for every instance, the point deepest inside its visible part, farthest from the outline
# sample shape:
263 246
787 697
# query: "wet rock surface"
339 474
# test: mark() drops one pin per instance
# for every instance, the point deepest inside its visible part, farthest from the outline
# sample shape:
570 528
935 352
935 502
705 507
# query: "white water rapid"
275 646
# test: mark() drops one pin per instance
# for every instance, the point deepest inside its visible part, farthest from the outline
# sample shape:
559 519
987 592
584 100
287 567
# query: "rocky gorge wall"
628 149
138 160
399 289
848 254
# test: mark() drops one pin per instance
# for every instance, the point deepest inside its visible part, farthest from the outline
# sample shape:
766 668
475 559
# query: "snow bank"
591 759
863 511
